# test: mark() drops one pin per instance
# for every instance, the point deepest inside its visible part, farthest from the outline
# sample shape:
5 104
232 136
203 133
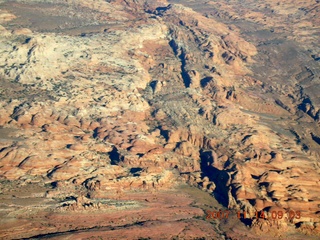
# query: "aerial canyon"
136 119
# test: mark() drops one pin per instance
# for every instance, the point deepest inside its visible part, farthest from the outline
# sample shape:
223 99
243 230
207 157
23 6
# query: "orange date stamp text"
274 215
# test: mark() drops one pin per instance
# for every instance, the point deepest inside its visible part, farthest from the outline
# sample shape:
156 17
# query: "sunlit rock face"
132 119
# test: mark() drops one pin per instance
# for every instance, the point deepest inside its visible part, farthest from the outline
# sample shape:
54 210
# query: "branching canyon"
134 119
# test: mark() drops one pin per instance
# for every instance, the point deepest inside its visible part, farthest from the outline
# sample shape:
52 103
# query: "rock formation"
131 119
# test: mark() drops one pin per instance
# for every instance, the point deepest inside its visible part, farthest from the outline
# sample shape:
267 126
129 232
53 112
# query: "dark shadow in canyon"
219 177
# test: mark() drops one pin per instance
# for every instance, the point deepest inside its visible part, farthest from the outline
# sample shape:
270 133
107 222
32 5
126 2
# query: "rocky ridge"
153 96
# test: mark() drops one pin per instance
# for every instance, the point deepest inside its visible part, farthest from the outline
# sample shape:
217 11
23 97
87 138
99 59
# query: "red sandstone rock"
109 109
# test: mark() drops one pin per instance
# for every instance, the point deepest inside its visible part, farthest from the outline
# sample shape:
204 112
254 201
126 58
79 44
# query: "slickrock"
132 119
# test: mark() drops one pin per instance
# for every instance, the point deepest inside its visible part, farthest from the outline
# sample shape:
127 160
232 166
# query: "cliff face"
109 108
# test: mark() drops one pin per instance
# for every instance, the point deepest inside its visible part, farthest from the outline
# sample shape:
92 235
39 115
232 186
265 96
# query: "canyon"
131 119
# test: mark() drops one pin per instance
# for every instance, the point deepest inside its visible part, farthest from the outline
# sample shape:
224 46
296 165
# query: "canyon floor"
138 119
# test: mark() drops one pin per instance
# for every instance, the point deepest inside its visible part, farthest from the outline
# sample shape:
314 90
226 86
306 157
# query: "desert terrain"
139 119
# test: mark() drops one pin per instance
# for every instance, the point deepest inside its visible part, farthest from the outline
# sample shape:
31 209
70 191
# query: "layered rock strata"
125 101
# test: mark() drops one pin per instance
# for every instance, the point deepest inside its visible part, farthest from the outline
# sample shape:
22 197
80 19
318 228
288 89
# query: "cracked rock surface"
129 119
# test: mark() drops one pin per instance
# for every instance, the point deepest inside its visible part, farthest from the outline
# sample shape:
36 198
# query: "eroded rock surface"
109 108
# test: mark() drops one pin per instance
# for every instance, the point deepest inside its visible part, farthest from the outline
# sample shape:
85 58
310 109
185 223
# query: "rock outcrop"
118 112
